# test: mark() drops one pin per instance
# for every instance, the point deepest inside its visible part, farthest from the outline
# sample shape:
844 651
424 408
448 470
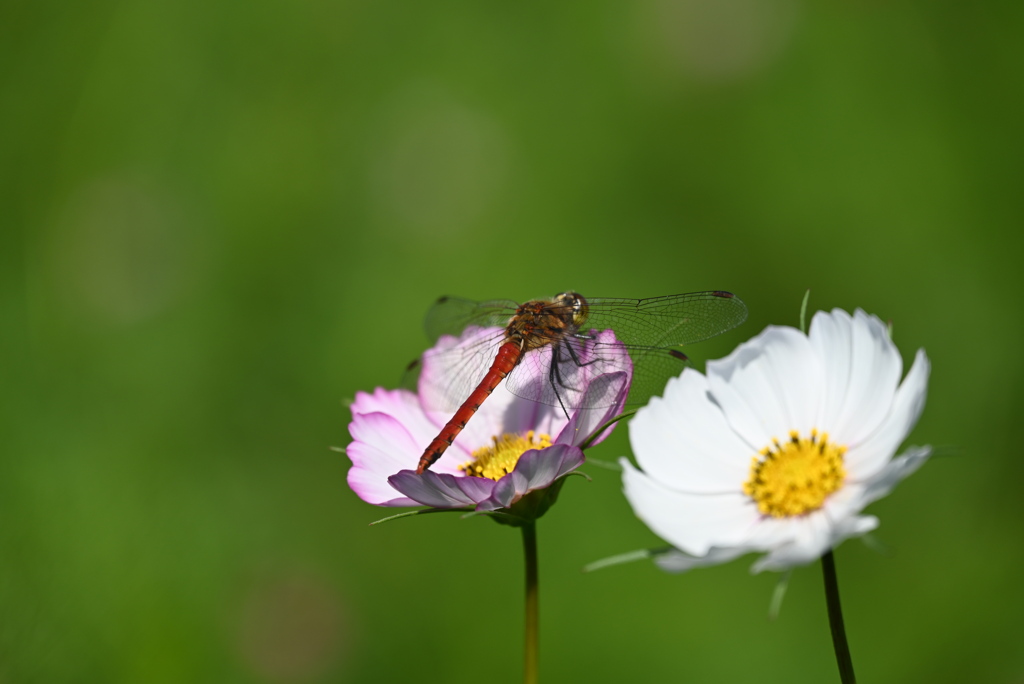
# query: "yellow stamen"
795 477
498 460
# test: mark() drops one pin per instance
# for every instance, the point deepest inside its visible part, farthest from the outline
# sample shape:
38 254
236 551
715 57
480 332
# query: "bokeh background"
221 220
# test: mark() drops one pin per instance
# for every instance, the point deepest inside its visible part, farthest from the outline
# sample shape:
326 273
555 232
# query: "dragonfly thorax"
542 322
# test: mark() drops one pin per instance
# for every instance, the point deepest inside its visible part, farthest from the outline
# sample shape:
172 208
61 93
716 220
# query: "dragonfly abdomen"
508 356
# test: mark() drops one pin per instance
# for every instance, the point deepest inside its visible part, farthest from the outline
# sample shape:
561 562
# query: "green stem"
530 646
596 433
835 620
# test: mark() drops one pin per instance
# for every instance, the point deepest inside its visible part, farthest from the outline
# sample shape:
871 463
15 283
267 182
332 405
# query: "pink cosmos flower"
510 448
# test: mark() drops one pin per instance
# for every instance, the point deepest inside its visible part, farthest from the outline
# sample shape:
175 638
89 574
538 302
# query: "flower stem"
530 646
835 620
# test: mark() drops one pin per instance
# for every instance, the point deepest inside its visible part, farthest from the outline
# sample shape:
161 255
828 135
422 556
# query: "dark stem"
835 620
530 646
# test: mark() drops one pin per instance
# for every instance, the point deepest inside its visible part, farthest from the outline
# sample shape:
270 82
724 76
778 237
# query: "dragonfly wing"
646 340
670 321
452 315
411 376
452 368
651 370
562 374
653 330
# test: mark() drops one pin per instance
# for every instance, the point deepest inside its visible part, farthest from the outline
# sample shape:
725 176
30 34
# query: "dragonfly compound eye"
577 306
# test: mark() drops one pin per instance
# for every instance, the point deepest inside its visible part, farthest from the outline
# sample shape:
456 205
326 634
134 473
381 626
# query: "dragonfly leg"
576 359
555 378
555 372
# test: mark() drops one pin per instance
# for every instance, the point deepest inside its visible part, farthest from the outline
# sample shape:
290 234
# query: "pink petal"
536 469
609 390
380 447
405 407
505 413
441 490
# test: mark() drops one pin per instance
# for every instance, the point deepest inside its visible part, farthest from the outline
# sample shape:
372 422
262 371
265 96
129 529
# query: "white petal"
894 472
832 339
810 538
684 441
872 366
680 561
769 386
691 522
769 533
845 503
867 458
854 526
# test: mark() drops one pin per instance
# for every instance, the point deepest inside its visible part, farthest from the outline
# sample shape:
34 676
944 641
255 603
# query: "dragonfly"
547 350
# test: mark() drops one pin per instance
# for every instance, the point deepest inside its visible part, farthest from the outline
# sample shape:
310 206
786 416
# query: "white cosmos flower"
779 447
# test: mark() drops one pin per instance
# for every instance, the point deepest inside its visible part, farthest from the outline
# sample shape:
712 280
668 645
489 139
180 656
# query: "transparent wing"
560 373
452 315
451 369
648 336
668 322
466 336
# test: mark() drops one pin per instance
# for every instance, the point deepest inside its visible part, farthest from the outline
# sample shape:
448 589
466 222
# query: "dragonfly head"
576 307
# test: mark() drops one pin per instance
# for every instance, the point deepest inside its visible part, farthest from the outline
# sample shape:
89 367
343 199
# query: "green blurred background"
220 220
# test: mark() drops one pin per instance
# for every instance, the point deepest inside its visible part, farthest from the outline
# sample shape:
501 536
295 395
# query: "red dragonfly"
542 344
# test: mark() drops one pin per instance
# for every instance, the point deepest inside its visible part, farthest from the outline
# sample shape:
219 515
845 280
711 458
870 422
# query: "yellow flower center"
795 477
498 460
